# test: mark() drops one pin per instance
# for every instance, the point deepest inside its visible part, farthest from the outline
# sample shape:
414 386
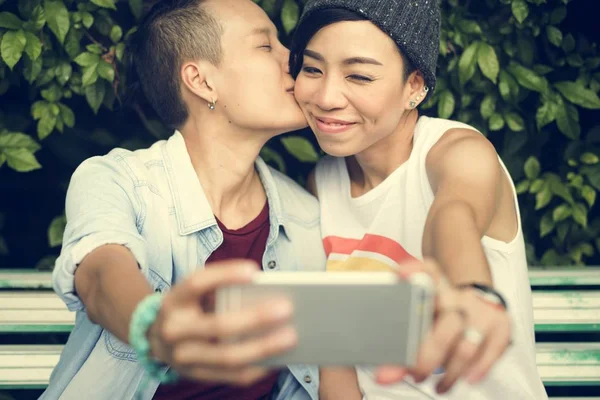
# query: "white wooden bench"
565 302
43 311
559 364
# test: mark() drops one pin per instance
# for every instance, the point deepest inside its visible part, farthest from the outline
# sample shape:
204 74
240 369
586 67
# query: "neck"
223 158
372 166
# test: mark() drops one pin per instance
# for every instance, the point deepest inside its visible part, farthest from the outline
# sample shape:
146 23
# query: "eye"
361 78
311 70
267 47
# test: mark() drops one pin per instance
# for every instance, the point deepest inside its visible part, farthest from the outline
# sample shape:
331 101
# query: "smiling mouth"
333 123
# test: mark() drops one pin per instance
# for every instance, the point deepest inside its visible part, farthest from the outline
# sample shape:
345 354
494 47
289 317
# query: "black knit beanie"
413 24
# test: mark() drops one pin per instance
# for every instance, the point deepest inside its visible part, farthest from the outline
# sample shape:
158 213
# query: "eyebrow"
262 31
349 61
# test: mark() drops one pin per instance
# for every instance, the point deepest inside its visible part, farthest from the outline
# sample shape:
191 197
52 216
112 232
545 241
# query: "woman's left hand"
469 334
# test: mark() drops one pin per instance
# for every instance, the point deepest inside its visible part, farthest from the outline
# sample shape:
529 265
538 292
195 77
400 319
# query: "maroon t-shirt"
248 242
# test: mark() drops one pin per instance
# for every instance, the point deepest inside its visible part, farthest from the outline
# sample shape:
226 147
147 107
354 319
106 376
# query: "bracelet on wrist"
486 293
142 318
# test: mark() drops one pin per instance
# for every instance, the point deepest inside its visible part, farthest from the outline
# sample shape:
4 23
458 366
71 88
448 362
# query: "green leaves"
46 113
532 168
87 59
10 21
137 8
94 94
56 231
520 10
106 71
105 3
467 63
514 122
290 13
488 61
510 68
528 78
488 106
545 114
116 33
577 94
93 67
561 213
567 119
57 18
554 35
12 47
33 47
580 214
300 148
18 150
446 104
271 156
496 122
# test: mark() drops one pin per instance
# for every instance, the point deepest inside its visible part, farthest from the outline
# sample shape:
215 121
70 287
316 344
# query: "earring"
412 104
426 89
212 105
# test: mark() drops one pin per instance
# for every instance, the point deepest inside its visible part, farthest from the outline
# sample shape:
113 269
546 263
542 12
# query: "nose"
329 95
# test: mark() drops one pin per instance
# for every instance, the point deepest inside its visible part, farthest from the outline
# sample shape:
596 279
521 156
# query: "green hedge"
518 70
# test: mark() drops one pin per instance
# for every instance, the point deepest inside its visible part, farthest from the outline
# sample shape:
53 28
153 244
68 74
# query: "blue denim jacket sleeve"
100 209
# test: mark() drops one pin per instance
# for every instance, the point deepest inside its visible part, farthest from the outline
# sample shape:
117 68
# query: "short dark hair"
173 31
318 20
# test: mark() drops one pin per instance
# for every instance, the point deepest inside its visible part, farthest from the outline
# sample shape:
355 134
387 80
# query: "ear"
195 77
415 89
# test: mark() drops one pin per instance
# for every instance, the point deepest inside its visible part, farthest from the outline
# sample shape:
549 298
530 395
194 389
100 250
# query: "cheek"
302 91
379 106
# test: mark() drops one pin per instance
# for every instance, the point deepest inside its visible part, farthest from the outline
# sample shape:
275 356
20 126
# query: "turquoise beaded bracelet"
142 318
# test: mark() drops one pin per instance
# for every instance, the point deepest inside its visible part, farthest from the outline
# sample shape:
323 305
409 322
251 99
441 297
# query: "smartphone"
344 318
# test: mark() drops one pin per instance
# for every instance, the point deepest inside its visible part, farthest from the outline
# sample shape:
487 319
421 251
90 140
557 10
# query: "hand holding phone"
343 318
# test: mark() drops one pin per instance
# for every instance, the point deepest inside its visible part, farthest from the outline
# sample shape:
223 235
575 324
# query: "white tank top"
384 227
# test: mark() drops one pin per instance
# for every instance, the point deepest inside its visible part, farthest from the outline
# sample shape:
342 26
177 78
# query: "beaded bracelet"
142 318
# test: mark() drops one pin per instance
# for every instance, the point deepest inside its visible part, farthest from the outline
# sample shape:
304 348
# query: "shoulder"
462 152
119 164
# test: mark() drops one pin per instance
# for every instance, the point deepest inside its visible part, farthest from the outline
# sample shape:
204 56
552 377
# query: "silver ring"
473 336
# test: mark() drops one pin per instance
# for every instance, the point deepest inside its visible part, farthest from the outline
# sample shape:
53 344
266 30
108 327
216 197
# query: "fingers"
494 346
190 323
390 374
234 356
466 348
223 273
460 358
438 343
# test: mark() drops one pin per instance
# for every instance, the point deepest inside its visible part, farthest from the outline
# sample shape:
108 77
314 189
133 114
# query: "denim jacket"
151 201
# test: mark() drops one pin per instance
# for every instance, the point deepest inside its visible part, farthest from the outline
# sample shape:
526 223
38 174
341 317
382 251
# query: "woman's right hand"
201 345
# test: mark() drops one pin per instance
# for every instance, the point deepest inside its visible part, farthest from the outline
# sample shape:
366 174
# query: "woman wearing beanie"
398 185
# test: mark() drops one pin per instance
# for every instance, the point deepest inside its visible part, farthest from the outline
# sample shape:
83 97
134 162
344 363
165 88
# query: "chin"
335 148
294 123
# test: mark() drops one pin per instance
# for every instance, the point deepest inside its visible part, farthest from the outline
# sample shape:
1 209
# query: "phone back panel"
345 324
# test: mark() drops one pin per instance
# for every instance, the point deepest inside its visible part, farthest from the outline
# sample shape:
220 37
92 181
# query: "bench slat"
538 276
25 279
558 364
561 276
23 311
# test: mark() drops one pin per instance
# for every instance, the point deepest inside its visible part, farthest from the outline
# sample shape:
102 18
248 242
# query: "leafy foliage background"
524 72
